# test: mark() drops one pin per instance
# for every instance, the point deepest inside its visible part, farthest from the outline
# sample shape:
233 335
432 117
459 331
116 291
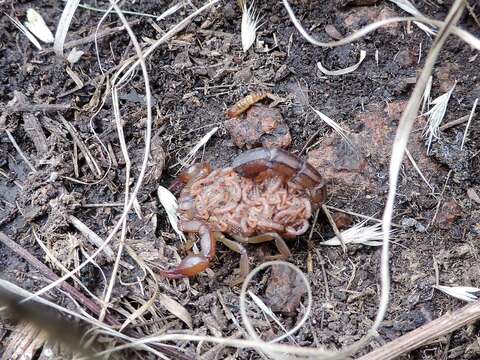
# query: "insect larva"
244 104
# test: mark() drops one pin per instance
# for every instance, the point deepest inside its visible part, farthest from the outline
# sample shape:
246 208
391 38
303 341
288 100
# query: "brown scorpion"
267 194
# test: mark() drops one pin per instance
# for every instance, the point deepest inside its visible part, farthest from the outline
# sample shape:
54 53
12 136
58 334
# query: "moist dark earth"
194 79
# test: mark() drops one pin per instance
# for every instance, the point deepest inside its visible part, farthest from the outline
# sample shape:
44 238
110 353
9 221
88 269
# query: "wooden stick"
425 334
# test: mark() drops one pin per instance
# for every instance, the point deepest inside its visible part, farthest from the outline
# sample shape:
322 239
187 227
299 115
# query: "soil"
194 79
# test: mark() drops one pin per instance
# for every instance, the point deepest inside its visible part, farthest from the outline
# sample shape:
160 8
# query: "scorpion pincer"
267 194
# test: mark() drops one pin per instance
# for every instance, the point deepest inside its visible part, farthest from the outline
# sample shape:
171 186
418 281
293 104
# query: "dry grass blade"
426 95
20 152
398 151
149 303
90 235
129 200
174 30
468 122
462 34
347 70
141 175
359 234
169 203
268 312
412 10
435 117
466 293
92 8
176 309
250 25
171 10
191 154
63 25
414 163
334 125
37 26
24 30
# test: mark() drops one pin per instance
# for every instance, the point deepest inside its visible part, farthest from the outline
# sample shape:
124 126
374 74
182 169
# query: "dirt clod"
449 212
342 220
284 291
262 126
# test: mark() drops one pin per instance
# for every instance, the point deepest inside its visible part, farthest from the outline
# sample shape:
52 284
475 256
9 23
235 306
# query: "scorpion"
266 194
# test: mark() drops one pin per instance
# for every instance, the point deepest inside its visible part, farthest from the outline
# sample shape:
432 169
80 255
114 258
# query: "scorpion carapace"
266 195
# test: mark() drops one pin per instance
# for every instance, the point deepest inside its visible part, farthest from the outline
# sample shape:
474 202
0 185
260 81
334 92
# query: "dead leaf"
176 309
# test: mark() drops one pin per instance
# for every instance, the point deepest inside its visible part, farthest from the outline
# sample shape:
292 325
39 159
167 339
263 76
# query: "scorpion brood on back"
266 195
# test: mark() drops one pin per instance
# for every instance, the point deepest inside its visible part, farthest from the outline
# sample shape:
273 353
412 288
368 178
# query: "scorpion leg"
279 243
238 248
194 264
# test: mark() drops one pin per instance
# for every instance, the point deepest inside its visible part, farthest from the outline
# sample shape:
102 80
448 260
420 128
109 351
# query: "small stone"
449 212
32 212
347 168
420 228
274 19
409 222
285 290
262 125
360 17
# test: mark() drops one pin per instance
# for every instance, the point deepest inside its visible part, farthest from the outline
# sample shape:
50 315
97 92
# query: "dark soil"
194 79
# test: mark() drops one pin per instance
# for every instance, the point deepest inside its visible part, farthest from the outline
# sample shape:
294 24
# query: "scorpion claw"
194 264
190 174
189 266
